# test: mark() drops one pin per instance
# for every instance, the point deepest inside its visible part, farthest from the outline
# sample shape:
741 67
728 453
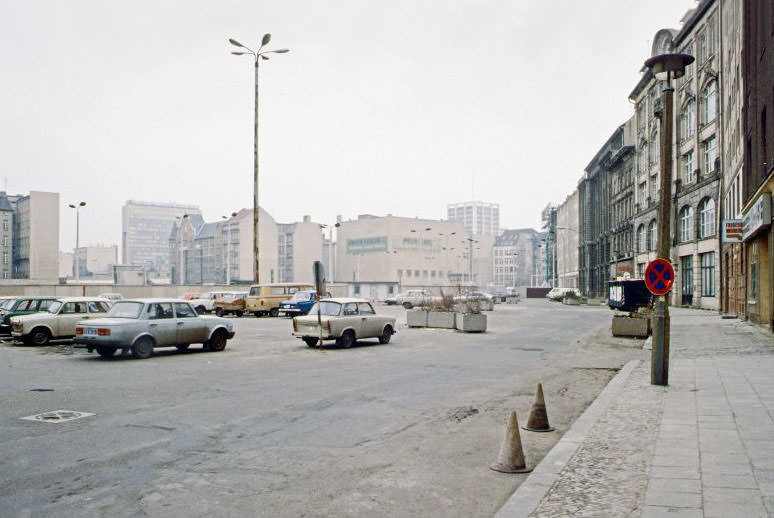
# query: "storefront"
758 261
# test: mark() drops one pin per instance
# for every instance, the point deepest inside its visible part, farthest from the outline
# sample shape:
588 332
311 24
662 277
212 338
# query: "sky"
395 107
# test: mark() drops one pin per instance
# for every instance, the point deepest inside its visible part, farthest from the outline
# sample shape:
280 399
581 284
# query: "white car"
345 320
112 297
557 294
59 321
205 303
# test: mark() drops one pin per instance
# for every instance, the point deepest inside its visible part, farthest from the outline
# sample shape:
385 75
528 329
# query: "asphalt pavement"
270 427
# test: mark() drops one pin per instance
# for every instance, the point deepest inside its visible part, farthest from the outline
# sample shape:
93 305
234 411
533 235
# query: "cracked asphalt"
270 427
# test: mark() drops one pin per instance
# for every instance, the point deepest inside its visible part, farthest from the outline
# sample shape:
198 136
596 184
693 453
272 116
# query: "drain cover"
57 416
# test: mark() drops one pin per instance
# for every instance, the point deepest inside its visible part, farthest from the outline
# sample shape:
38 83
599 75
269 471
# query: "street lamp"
664 67
228 247
77 207
257 56
180 235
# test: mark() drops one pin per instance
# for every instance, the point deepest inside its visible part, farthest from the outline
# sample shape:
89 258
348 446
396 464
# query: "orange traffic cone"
538 417
511 456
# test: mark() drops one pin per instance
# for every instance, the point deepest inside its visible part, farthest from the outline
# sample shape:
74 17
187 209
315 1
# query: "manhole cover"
57 416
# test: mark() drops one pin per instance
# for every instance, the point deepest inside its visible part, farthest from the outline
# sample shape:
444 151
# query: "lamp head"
669 66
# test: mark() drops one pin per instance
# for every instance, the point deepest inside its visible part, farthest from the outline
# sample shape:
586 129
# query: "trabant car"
345 320
58 321
231 303
140 325
264 299
22 306
300 303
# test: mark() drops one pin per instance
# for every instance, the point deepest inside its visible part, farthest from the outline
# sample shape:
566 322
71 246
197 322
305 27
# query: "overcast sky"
399 106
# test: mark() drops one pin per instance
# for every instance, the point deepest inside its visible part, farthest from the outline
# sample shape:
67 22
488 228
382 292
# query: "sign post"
659 278
319 284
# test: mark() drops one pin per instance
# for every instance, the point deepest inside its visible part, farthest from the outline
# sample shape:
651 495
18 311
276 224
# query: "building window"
654 150
706 218
712 37
652 235
686 264
640 270
643 158
702 47
686 222
709 152
688 167
641 238
654 187
5 258
709 99
356 289
6 275
643 194
5 224
708 274
753 282
688 120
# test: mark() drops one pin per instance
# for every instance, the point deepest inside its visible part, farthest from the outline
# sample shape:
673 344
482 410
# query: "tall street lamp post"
257 55
228 247
76 262
664 67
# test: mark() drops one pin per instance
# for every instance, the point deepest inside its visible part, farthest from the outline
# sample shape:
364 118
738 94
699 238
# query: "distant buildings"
29 236
515 258
95 262
567 242
145 231
478 217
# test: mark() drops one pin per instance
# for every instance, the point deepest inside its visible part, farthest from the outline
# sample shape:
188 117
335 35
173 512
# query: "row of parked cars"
276 299
418 298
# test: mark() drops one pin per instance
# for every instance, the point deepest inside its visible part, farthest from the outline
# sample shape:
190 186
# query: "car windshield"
54 307
125 310
6 304
301 295
329 309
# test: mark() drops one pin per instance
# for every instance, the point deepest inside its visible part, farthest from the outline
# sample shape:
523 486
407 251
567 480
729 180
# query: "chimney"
307 218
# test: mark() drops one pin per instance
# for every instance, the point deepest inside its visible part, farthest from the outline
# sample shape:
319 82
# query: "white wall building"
567 265
478 217
35 235
95 261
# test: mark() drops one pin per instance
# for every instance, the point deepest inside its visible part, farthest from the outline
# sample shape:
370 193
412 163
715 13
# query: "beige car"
265 299
59 320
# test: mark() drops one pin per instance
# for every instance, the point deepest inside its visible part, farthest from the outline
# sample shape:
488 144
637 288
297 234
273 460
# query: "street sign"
733 230
659 276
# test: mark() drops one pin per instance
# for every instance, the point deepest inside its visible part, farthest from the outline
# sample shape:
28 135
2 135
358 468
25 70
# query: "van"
264 299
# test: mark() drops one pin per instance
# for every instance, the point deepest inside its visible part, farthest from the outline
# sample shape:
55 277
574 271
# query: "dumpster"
628 295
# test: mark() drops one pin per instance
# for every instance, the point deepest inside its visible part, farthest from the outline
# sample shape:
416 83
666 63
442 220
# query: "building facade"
145 231
94 261
515 257
479 218
6 237
567 233
35 235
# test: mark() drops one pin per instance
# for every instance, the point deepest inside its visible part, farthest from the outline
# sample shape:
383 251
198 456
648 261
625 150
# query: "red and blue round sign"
659 276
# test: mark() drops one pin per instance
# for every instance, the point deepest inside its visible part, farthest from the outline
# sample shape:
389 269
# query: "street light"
664 67
257 56
77 207
228 248
180 235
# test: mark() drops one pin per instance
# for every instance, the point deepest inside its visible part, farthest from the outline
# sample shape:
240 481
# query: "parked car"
18 306
231 304
345 320
484 300
557 294
300 303
205 302
190 296
416 298
140 325
112 297
265 299
391 300
59 320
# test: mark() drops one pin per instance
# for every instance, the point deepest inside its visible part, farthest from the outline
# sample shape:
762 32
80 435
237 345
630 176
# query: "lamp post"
180 235
228 247
257 56
76 262
664 67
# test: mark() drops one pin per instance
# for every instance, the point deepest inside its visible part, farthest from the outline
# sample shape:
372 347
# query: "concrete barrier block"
416 318
442 319
630 326
471 322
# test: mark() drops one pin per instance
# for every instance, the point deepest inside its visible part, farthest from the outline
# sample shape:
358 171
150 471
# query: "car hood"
33 317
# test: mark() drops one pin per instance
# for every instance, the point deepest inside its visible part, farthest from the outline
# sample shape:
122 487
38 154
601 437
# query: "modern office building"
34 235
478 217
145 231
6 237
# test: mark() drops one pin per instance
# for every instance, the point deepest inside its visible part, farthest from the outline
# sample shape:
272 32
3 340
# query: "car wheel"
219 312
311 341
106 352
386 335
408 305
257 314
239 313
217 342
182 347
40 336
142 348
201 310
274 312
346 340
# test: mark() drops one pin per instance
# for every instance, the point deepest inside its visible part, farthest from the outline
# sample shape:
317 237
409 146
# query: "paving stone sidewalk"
702 447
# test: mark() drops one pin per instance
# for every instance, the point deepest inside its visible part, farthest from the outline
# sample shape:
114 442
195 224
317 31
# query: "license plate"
89 331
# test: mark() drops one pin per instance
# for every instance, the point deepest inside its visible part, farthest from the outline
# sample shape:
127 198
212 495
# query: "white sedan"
345 320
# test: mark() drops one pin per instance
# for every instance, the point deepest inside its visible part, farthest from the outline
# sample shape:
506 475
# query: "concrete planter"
571 301
416 318
630 326
512 300
442 319
471 322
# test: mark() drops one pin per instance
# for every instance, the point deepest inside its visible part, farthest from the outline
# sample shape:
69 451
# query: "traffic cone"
511 456
538 417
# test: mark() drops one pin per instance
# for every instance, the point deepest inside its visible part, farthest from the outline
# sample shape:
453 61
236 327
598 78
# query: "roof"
344 300
80 299
151 300
5 205
511 237
207 230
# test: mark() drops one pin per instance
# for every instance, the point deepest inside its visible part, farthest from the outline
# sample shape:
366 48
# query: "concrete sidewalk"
702 447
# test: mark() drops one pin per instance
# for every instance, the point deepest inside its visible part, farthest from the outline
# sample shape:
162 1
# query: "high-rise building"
29 236
145 231
479 218
6 238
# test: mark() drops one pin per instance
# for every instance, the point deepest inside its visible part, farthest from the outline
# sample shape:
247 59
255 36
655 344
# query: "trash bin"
628 295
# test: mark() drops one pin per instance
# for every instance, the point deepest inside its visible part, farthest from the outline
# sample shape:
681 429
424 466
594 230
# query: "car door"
70 314
162 324
369 322
351 319
191 328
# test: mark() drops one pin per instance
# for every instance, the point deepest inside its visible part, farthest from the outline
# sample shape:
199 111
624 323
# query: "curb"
531 492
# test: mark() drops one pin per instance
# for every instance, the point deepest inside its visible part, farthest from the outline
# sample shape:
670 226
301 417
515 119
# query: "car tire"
219 312
257 314
346 340
182 347
106 352
311 341
217 342
142 348
386 335
239 313
274 312
408 305
201 309
39 336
